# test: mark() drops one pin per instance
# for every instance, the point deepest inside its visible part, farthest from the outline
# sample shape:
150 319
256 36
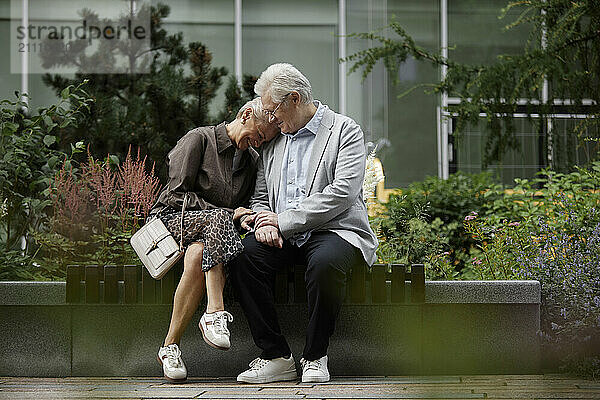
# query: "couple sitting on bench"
304 192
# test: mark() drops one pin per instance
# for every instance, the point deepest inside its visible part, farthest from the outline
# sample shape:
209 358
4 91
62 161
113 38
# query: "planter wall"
463 327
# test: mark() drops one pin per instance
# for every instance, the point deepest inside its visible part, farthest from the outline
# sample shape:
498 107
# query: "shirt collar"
313 125
223 140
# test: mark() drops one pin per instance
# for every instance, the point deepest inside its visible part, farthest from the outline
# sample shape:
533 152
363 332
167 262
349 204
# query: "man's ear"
295 97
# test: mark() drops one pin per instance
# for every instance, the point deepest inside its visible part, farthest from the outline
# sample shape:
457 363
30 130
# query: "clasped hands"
264 223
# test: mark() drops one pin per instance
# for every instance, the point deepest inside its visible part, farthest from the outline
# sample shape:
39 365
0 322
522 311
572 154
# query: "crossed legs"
191 288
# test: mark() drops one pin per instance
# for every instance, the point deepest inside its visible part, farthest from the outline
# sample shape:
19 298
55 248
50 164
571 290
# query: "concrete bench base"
490 333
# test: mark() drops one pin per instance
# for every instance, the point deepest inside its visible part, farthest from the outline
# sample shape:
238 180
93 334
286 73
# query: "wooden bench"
131 284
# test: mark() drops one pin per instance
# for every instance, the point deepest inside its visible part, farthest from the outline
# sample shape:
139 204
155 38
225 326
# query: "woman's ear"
246 115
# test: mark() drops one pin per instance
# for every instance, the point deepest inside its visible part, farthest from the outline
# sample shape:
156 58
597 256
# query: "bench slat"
73 282
378 285
92 284
130 283
398 279
289 278
167 287
111 285
148 287
417 283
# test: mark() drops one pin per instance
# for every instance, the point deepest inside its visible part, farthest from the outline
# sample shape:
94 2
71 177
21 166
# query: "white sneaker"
265 371
214 329
315 371
173 367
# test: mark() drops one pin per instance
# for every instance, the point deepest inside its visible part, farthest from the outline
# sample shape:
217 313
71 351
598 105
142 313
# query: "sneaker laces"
173 355
307 365
258 363
220 322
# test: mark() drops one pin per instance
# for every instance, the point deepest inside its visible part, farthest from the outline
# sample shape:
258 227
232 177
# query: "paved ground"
410 387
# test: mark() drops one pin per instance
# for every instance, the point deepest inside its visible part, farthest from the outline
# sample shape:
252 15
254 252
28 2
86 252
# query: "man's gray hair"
280 79
256 105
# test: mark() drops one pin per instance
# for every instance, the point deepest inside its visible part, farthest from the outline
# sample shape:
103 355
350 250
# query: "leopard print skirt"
213 228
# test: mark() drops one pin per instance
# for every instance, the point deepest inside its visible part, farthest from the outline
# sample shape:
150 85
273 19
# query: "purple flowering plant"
550 232
566 261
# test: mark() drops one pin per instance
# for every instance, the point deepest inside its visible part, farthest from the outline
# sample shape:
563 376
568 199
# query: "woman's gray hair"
257 110
280 79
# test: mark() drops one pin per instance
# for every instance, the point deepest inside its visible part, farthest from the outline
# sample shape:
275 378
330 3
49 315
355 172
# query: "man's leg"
253 277
329 259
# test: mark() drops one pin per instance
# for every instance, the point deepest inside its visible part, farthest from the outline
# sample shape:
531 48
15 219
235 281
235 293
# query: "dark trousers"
328 259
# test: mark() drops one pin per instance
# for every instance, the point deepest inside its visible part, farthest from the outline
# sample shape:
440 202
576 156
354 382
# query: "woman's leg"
189 292
215 282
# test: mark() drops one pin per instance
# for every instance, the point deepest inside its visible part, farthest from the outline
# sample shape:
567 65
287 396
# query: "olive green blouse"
201 164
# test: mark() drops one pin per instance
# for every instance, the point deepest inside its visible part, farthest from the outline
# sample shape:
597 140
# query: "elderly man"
308 209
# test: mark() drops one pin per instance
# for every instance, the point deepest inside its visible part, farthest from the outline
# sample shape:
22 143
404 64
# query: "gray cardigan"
334 182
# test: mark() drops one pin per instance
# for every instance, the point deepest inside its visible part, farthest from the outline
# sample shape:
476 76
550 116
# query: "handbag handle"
185 199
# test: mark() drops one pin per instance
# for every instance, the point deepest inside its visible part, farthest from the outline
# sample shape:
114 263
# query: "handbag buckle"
153 246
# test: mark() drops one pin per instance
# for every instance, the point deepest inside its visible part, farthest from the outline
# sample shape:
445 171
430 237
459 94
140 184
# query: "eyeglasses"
271 114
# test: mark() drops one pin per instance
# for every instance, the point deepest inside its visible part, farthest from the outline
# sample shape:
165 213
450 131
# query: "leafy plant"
407 237
452 199
97 207
499 245
441 206
30 158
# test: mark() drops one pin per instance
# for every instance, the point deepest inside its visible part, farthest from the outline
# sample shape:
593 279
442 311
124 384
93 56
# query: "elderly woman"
216 167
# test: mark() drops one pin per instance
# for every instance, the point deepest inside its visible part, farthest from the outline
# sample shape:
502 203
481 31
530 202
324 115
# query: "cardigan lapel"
323 135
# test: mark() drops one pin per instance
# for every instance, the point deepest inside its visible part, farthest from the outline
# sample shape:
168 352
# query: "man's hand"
266 218
244 216
270 235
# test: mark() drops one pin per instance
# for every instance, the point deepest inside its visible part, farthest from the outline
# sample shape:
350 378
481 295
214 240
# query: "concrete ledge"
448 334
475 292
32 293
437 292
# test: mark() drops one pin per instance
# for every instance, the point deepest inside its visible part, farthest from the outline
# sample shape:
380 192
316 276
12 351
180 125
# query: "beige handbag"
156 247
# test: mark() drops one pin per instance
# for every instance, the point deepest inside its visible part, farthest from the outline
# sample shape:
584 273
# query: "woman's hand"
245 216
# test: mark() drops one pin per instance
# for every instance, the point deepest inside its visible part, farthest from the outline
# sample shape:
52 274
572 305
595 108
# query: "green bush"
426 222
28 161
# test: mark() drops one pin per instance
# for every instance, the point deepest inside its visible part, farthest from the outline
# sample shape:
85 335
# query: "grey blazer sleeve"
338 196
260 198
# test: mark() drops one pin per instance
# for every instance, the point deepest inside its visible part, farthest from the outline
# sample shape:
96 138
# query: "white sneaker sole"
182 380
286 376
208 342
316 379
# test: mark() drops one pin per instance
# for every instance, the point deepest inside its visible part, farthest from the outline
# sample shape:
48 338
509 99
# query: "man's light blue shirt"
294 166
